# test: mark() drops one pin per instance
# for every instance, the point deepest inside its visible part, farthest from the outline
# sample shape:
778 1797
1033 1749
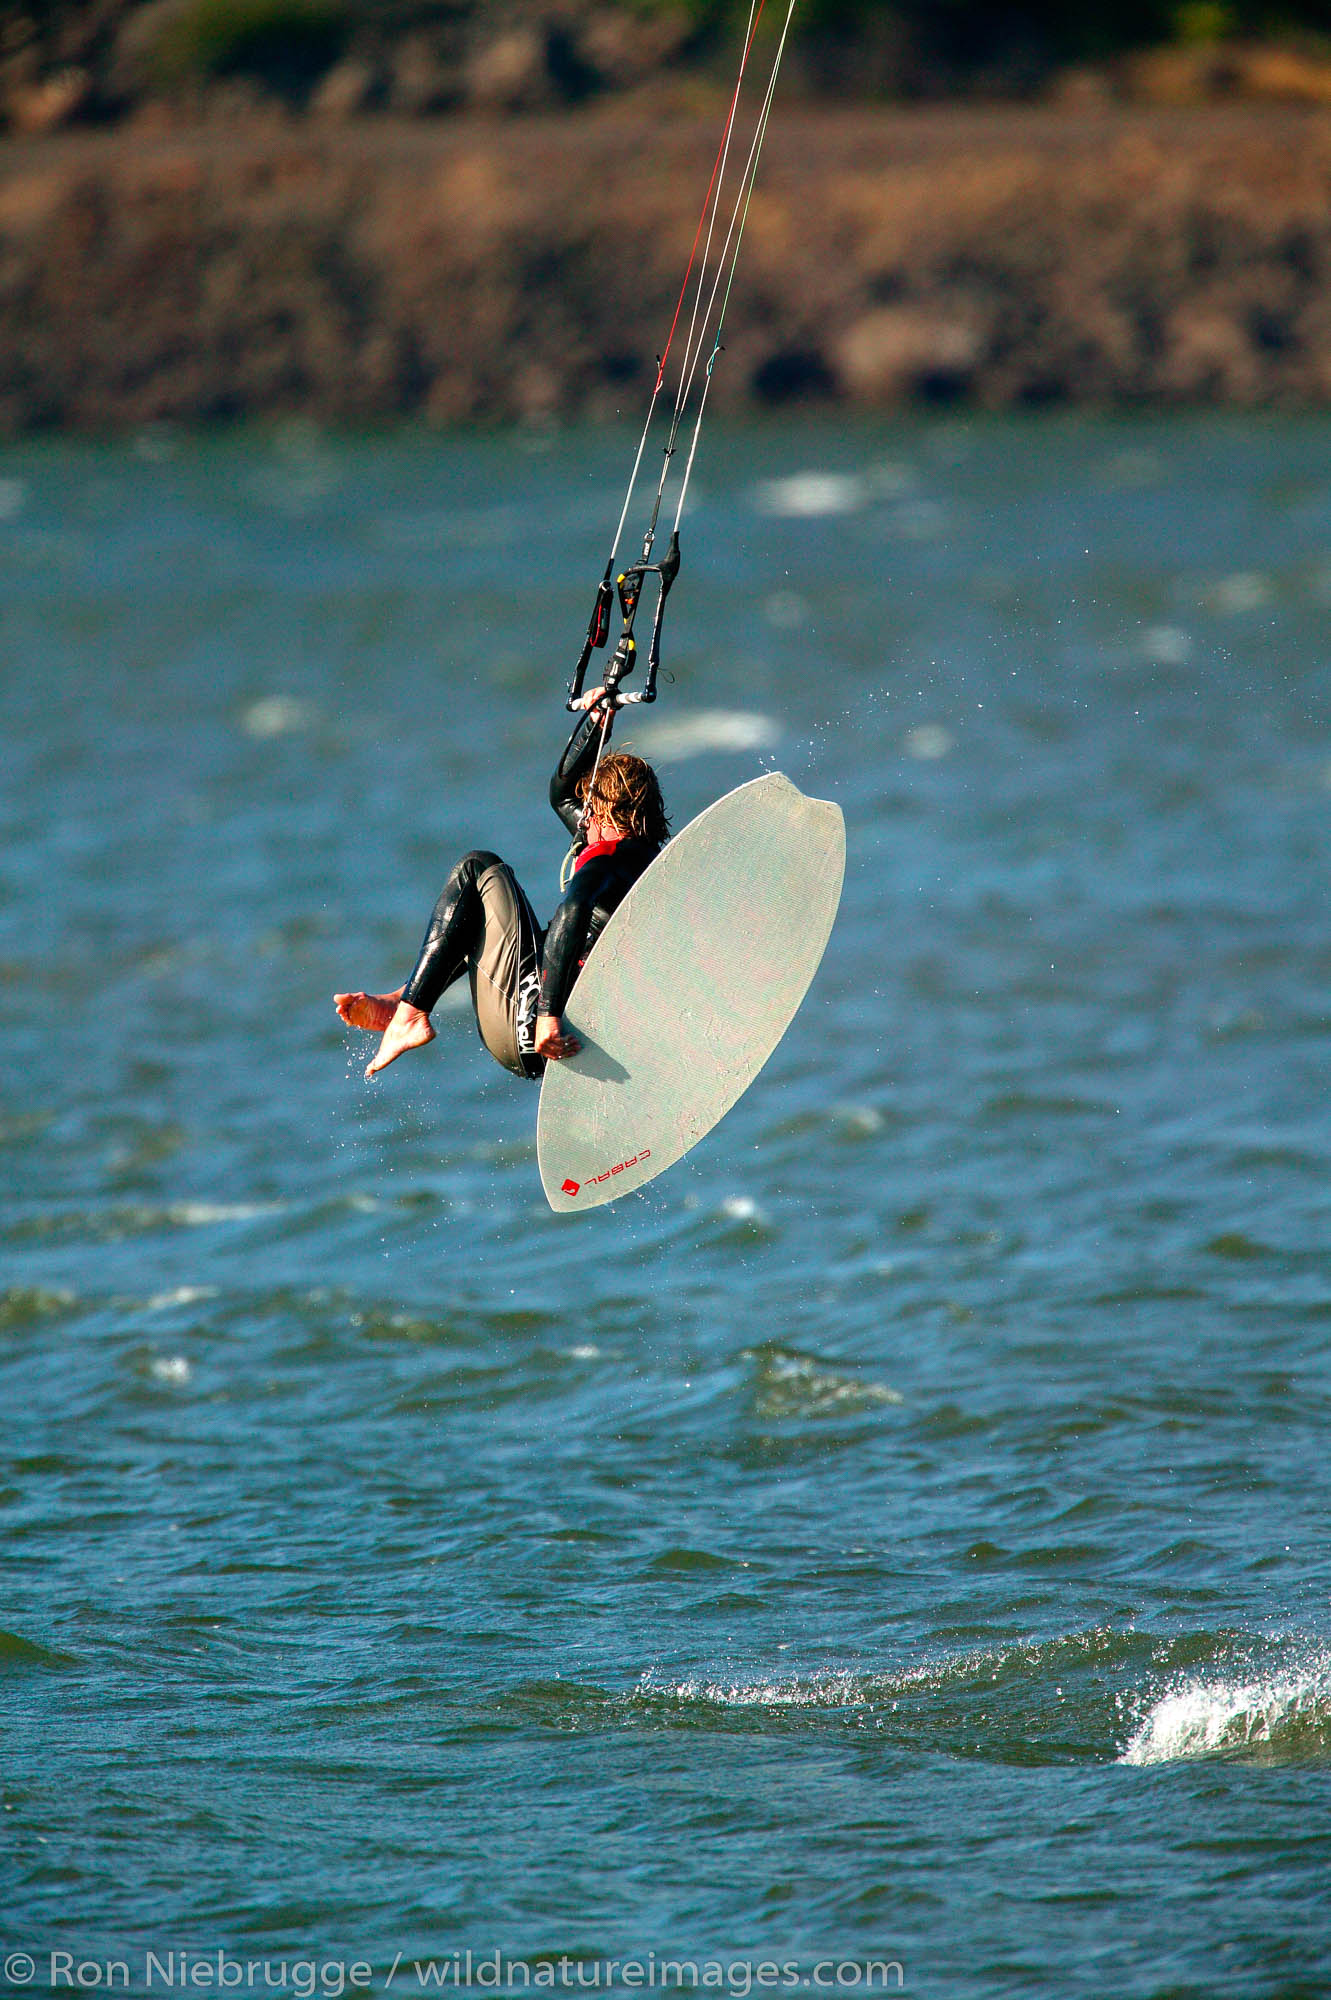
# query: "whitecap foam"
742 1208
796 1385
1246 590
710 729
804 496
197 1214
928 742
276 715
785 610
20 1305
861 1119
172 1368
1167 645
829 1690
1286 1712
180 1295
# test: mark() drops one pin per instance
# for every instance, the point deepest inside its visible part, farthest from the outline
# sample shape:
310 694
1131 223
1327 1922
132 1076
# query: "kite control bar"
628 585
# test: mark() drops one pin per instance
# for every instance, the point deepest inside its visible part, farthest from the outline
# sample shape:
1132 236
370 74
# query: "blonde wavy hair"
623 792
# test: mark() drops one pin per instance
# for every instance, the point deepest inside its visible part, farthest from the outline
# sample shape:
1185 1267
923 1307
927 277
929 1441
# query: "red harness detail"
590 853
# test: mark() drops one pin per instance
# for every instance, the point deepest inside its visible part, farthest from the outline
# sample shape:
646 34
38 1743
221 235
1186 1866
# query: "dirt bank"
467 269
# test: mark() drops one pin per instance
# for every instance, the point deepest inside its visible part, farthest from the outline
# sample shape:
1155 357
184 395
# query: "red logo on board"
571 1187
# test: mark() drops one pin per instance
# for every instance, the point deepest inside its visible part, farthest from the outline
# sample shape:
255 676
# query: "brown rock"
1286 76
134 65
348 88
54 101
901 351
1177 76
509 73
420 80
1208 357
28 201
470 269
621 45
1081 88
538 392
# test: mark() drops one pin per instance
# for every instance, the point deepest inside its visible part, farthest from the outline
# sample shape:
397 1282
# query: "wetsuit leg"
483 925
452 935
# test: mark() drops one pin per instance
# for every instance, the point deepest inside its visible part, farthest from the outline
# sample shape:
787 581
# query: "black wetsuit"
599 884
483 924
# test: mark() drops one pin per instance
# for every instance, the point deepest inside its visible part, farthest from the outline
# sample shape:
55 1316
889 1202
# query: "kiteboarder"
483 923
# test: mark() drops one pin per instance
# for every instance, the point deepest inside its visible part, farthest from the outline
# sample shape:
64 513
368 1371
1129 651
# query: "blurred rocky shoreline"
363 268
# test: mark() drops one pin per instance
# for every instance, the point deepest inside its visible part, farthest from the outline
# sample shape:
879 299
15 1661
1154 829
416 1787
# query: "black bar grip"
579 675
670 563
669 570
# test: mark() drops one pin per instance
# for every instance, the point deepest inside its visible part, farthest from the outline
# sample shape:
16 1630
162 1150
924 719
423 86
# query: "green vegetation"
91 61
965 36
1200 24
286 44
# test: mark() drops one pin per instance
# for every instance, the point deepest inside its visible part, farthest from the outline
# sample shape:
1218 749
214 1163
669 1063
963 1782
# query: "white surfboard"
689 988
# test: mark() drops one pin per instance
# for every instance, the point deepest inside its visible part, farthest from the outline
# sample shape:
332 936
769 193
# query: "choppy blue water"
899 1535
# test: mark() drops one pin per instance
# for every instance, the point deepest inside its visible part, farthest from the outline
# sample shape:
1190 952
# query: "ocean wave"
113 1224
18 1654
200 1214
25 1305
837 1691
789 1384
1282 1716
1064 1699
1026 1701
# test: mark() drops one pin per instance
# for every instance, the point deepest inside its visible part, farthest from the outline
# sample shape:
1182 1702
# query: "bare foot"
408 1029
372 1011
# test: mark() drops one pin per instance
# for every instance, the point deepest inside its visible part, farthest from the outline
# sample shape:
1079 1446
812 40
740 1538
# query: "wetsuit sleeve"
578 758
566 941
